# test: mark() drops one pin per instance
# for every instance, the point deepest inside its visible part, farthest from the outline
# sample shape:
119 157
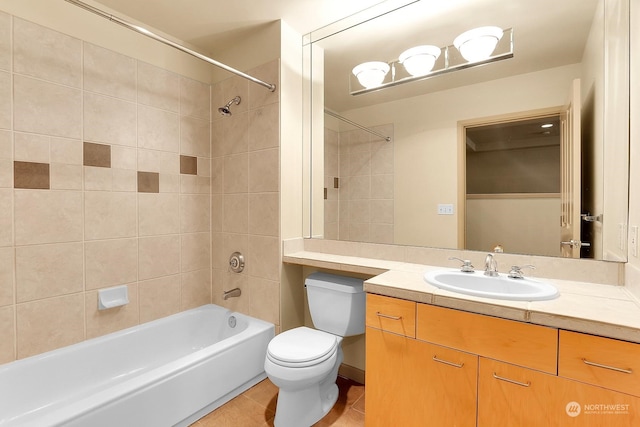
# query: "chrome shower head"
225 111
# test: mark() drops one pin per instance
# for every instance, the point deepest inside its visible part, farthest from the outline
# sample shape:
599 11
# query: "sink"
499 287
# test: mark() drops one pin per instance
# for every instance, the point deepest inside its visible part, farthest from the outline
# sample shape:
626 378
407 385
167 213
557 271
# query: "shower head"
225 111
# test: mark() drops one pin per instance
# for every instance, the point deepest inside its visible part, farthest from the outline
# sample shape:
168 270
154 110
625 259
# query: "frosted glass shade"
371 74
419 60
478 44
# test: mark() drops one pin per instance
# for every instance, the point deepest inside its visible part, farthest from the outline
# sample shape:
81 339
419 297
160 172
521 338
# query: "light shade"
371 74
478 44
419 60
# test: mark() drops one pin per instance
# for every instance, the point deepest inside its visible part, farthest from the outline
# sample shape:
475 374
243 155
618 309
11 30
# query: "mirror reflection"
421 187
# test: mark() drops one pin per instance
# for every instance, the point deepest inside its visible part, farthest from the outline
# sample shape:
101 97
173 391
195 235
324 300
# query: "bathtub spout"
232 293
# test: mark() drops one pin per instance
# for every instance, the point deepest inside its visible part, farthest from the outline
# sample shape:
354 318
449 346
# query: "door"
570 182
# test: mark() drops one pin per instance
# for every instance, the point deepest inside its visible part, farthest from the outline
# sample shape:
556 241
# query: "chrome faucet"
490 266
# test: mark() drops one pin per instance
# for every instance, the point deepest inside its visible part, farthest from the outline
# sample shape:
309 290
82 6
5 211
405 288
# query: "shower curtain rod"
359 126
168 42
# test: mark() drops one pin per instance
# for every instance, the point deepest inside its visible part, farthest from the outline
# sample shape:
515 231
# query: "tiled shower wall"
245 193
105 180
361 207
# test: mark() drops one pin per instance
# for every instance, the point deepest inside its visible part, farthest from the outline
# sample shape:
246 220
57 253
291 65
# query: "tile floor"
256 408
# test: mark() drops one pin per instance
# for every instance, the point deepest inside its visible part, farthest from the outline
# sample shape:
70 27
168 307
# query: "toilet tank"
336 303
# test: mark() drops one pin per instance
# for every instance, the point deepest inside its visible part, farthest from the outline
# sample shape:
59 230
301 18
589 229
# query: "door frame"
462 154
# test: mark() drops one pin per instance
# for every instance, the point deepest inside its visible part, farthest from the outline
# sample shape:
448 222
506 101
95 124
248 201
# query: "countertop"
605 310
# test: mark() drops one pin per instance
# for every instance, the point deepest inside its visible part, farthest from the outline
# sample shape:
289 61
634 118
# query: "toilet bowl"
306 378
303 362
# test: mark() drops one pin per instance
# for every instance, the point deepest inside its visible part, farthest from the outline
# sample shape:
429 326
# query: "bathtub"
169 372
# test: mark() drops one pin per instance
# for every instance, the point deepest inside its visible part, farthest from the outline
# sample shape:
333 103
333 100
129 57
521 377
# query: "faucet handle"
466 266
516 271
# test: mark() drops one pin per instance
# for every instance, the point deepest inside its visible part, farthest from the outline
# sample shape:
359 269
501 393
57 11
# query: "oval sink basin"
499 287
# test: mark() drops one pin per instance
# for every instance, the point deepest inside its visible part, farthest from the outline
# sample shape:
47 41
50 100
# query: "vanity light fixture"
478 44
472 48
419 60
371 74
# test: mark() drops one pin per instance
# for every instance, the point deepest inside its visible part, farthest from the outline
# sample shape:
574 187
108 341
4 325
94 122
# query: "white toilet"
304 362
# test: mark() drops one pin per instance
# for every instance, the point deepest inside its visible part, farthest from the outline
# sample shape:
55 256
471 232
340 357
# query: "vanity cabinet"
411 382
429 365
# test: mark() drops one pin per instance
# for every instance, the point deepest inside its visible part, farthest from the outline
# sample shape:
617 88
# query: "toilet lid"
301 347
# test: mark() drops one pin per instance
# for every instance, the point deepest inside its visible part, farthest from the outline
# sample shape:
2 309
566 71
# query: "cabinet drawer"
605 362
514 342
392 315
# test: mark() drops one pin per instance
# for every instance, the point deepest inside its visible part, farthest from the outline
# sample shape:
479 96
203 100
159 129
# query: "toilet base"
304 407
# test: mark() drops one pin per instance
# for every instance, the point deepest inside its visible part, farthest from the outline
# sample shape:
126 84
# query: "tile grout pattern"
256 408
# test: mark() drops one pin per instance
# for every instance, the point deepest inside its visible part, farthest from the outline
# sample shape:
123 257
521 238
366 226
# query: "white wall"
426 144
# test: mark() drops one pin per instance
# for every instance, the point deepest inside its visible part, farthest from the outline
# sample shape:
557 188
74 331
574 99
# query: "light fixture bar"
446 67
359 126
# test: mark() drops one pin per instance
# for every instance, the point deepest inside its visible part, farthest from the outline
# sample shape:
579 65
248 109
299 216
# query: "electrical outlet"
445 209
634 241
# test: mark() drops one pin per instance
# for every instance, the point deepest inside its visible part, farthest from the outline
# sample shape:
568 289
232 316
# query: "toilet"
303 362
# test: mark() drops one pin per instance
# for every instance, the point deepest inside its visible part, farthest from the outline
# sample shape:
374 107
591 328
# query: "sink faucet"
490 266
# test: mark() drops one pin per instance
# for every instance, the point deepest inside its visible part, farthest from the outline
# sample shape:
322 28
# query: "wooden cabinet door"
406 386
510 395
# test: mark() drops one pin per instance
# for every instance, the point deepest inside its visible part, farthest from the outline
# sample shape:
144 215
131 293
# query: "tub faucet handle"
236 292
466 266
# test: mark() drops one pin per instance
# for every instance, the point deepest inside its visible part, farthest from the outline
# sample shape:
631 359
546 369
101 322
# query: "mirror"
411 190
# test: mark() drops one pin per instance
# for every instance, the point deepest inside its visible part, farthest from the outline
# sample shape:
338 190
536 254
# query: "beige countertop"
606 310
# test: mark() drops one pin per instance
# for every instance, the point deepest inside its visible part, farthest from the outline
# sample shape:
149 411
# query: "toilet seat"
302 347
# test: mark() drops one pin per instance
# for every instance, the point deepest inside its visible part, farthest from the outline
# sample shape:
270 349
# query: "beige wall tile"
158 161
217 175
270 73
97 179
382 186
33 55
109 215
67 151
158 214
7 335
194 98
124 158
102 322
124 180
195 251
381 233
264 127
44 271
6 276
158 88
66 177
235 134
194 137
110 262
5 100
265 299
264 170
158 256
46 108
109 73
169 183
47 216
216 286
382 160
159 298
6 145
264 214
204 167
382 211
196 288
236 213
158 129
264 257
194 213
31 148
5 41
6 173
236 174
6 217
109 120
217 136
192 184
217 212
49 324
219 256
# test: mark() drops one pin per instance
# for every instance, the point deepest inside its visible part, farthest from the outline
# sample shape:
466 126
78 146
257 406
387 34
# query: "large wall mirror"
398 169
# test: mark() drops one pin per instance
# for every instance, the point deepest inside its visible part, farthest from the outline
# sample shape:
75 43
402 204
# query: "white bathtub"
169 372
